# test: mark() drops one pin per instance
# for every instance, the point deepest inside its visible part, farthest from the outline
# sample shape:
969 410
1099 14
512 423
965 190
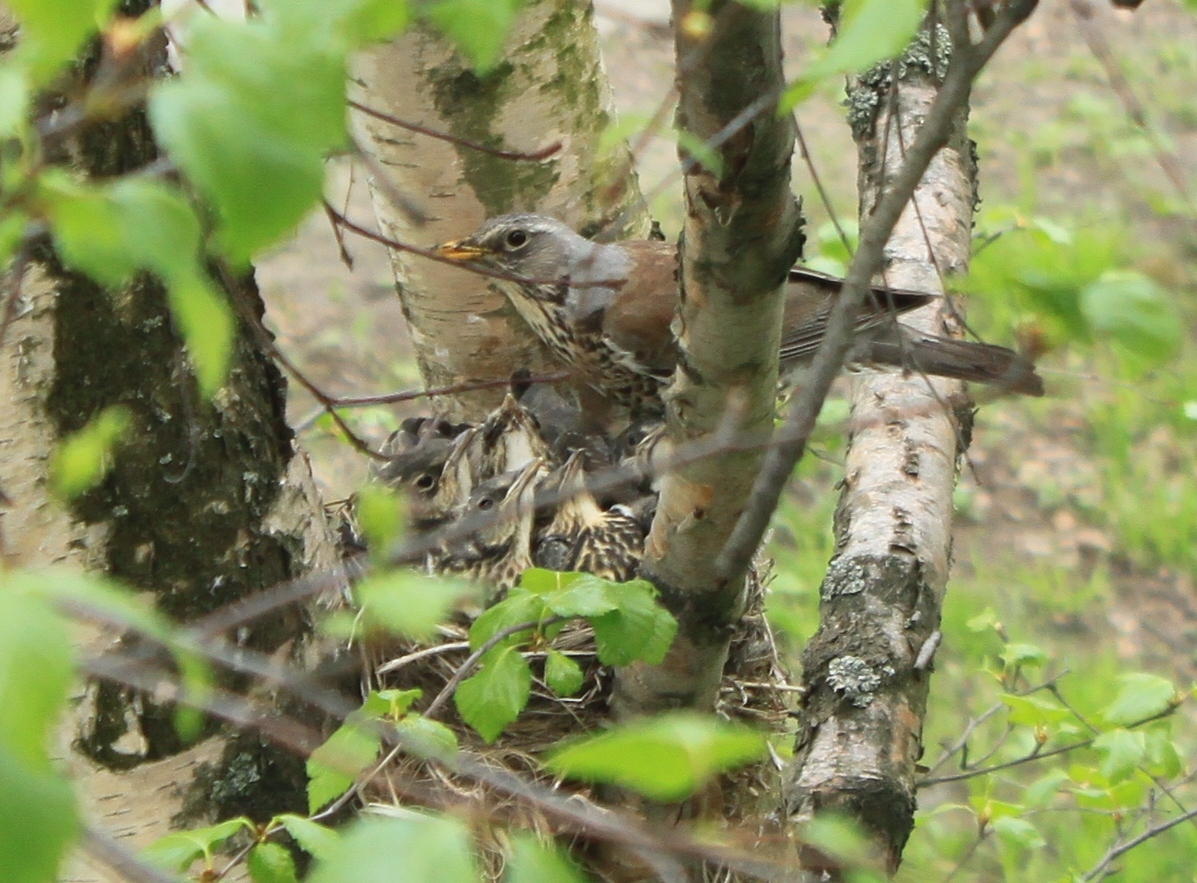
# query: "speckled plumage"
583 536
607 310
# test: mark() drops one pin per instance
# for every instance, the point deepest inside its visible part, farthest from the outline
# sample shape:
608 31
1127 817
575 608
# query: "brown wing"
810 296
639 319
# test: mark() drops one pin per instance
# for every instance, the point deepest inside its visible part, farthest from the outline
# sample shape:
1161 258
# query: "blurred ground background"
1077 514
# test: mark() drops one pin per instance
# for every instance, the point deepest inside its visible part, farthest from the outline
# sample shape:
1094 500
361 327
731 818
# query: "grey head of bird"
556 267
436 478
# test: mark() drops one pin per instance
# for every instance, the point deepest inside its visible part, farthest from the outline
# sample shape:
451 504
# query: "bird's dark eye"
485 503
425 482
517 239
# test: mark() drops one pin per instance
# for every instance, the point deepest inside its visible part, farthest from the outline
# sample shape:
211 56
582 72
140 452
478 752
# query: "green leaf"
12 231
312 837
493 698
1018 833
1141 696
995 809
1124 750
1163 756
346 25
692 147
395 703
14 100
638 629
176 852
271 863
1040 792
84 458
251 121
869 31
985 621
518 608
665 758
366 21
539 581
334 766
415 849
1035 711
52 31
586 596
380 513
38 819
562 674
1019 655
206 323
110 231
1135 312
535 862
478 27
35 672
841 838
260 186
406 603
427 738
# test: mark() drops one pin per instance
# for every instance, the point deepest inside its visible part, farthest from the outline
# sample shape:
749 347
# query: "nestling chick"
500 550
585 537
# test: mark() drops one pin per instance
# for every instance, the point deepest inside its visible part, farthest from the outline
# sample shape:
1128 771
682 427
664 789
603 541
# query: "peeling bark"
862 715
549 87
741 236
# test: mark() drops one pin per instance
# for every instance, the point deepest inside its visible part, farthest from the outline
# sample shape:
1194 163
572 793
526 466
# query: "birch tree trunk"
205 502
548 88
742 234
867 669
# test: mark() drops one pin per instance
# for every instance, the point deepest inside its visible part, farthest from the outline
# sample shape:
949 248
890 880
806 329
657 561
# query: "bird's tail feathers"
987 363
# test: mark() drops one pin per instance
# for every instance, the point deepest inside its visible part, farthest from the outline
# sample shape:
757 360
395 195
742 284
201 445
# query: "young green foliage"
271 863
494 697
406 603
628 624
534 862
84 458
870 31
53 31
478 27
415 849
666 758
38 816
177 852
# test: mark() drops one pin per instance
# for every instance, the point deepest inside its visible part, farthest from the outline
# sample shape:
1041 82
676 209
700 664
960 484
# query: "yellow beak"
460 250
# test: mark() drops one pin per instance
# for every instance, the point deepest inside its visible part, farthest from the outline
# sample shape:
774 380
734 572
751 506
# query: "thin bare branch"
1099 870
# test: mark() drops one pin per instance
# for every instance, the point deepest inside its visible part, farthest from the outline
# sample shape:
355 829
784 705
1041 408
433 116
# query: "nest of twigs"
756 690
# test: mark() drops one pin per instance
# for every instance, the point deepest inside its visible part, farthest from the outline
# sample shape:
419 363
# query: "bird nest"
755 689
523 477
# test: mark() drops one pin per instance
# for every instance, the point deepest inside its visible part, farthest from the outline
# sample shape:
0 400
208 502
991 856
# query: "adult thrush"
605 309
